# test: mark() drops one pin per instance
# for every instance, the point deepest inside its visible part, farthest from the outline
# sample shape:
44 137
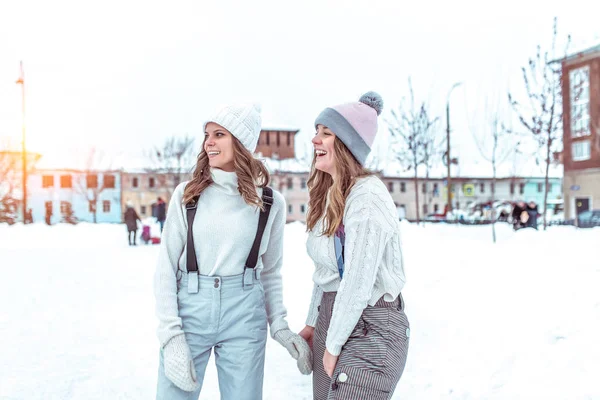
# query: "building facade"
581 131
143 188
80 193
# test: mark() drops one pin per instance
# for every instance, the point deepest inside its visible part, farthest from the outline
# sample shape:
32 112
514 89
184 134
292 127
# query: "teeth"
321 152
214 153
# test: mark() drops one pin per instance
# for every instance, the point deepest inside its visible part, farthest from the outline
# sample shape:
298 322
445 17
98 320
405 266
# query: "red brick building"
581 131
277 143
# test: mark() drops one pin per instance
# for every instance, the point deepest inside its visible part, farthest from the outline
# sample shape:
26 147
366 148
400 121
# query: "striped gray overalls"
372 360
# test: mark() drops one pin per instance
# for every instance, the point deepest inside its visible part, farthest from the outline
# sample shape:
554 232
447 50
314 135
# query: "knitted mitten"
298 349
178 363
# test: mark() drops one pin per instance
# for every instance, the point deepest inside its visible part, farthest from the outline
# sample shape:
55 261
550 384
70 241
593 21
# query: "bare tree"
495 144
8 182
433 151
410 128
542 116
89 185
175 159
11 173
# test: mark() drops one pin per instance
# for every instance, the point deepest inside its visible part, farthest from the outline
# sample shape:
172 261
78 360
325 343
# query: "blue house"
91 196
534 190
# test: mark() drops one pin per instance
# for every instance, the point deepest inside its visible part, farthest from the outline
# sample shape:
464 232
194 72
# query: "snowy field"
515 320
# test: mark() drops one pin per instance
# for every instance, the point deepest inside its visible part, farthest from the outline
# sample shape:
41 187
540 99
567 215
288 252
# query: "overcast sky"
124 75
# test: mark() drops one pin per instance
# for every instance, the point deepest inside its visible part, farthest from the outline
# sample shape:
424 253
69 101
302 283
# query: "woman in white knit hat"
218 280
356 323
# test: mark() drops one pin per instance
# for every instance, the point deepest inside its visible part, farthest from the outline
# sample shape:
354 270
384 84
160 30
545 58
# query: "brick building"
581 131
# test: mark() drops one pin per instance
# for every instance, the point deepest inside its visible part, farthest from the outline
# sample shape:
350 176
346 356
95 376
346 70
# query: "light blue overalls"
227 314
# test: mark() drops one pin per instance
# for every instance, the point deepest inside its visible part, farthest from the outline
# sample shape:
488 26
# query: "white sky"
124 75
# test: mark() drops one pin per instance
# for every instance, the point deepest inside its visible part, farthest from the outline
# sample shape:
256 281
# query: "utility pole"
21 81
448 158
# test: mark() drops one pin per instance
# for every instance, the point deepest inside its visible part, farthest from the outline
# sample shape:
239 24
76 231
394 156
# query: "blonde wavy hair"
320 183
251 173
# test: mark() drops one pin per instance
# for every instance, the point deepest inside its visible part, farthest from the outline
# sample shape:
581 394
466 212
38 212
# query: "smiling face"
218 145
323 143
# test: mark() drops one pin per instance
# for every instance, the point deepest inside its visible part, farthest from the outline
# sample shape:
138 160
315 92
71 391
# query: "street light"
448 159
21 81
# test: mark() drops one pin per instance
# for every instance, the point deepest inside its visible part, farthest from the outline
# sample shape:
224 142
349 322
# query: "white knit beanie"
242 120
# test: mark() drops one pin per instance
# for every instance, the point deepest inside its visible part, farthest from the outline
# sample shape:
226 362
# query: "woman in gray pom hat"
356 323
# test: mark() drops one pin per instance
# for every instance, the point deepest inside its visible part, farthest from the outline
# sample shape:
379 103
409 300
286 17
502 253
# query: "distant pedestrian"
131 218
161 212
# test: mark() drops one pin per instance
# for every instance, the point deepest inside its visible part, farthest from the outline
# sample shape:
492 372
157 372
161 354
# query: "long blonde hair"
251 173
348 170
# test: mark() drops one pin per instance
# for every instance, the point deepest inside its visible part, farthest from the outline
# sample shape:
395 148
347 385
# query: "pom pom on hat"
373 100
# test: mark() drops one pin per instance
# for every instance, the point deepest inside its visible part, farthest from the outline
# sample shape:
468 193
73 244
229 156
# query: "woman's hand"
329 363
307 334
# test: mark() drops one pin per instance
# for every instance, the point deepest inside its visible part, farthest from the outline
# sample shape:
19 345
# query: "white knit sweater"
224 229
373 264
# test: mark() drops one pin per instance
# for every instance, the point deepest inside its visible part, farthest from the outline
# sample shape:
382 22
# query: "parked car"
589 219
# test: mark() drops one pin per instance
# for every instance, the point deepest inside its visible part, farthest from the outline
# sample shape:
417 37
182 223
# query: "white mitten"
298 349
179 365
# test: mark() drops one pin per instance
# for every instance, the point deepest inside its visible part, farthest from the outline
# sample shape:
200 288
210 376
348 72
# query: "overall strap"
192 261
267 199
339 242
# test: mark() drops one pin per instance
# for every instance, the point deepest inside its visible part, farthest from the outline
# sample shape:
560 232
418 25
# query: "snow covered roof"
291 165
578 54
476 170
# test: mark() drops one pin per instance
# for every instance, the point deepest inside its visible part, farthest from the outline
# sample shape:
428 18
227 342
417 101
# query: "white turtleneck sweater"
373 264
224 229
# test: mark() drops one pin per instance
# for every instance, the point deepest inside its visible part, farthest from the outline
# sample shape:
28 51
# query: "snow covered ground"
515 320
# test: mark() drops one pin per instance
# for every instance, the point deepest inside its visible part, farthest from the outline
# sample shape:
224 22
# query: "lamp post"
21 81
448 159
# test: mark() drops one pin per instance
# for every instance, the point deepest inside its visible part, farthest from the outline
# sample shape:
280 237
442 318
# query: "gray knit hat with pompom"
355 124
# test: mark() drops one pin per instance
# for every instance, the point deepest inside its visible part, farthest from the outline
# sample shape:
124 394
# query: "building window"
91 181
47 181
550 188
302 208
268 134
435 208
290 208
134 182
512 188
581 150
424 188
458 205
521 188
66 182
540 187
436 190
290 183
92 206
424 209
403 187
106 206
278 139
482 187
289 139
579 91
391 187
151 182
493 187
109 181
303 183
143 209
